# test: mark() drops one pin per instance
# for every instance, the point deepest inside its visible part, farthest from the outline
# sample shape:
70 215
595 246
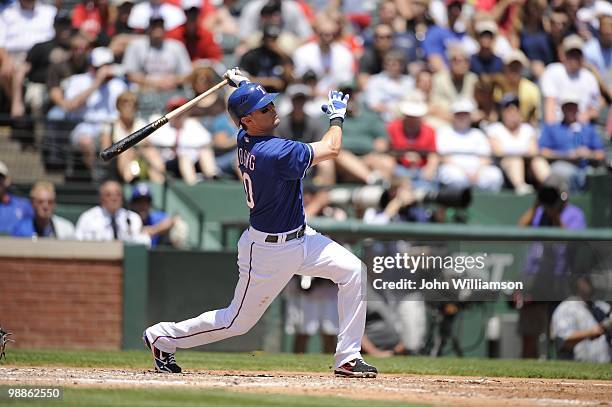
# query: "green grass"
260 361
189 398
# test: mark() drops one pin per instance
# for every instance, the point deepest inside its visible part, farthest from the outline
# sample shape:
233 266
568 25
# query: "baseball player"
278 243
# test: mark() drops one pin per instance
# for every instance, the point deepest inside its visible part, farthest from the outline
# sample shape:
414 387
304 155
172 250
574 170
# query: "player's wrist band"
336 121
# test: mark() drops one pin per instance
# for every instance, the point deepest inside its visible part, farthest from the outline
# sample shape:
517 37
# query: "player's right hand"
235 77
336 105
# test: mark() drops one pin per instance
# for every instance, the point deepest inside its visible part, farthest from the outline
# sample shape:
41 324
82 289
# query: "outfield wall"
56 294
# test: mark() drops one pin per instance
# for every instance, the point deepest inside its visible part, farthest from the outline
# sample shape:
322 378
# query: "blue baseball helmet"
247 98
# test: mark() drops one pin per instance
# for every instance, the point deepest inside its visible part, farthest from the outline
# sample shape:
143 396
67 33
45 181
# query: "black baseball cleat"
356 368
164 361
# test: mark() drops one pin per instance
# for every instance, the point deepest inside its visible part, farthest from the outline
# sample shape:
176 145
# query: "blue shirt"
25 228
438 39
537 47
12 210
154 218
480 66
563 138
272 170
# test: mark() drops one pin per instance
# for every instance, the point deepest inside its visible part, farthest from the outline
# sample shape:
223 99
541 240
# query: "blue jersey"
272 170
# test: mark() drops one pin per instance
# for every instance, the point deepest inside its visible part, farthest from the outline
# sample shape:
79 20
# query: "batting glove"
234 77
336 105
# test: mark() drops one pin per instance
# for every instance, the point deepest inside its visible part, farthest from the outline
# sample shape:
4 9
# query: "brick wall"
62 303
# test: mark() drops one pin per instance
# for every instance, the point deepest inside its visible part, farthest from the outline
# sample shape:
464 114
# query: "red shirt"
424 141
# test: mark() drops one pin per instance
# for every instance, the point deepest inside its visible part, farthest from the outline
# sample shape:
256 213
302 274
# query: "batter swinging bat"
146 131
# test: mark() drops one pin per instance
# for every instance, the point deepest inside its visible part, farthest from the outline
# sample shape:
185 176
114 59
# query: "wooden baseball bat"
134 138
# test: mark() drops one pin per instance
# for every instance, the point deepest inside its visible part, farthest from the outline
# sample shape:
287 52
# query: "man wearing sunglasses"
278 244
44 223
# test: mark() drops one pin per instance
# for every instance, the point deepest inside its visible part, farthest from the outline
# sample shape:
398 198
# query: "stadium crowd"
485 94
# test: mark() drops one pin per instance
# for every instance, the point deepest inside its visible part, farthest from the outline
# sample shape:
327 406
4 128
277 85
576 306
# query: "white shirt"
24 28
292 16
95 224
453 143
556 83
101 104
64 229
188 140
573 315
171 58
382 89
332 69
516 144
142 12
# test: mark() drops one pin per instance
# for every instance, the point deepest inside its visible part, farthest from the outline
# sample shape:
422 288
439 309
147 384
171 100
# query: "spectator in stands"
299 125
212 114
546 265
386 89
44 223
76 63
418 23
577 326
287 13
598 49
92 18
156 63
371 62
331 62
362 152
156 224
185 146
572 143
12 208
485 62
26 23
199 41
171 16
486 109
466 153
224 23
23 23
570 76
109 220
535 41
516 142
268 64
92 99
413 141
122 9
36 68
512 80
438 38
141 161
451 85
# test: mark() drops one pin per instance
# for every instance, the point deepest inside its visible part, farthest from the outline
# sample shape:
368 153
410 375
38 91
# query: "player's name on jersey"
454 283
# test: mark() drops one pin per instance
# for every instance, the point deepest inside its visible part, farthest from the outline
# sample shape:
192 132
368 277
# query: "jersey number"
248 189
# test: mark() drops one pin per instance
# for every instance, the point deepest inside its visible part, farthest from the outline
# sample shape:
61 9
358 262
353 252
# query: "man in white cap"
572 143
410 135
570 76
466 153
12 208
91 99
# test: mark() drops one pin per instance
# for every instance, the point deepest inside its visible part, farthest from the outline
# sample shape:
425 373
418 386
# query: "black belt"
290 236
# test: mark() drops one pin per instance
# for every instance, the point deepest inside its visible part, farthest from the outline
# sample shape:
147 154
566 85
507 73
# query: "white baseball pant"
264 270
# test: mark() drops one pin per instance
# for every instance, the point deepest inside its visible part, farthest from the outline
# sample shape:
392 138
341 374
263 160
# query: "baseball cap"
101 56
175 102
515 55
298 89
462 106
509 99
4 169
603 9
189 4
486 26
568 98
413 105
572 42
141 190
62 18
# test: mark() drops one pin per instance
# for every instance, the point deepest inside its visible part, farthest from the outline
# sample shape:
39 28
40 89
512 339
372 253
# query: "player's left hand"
336 105
235 77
